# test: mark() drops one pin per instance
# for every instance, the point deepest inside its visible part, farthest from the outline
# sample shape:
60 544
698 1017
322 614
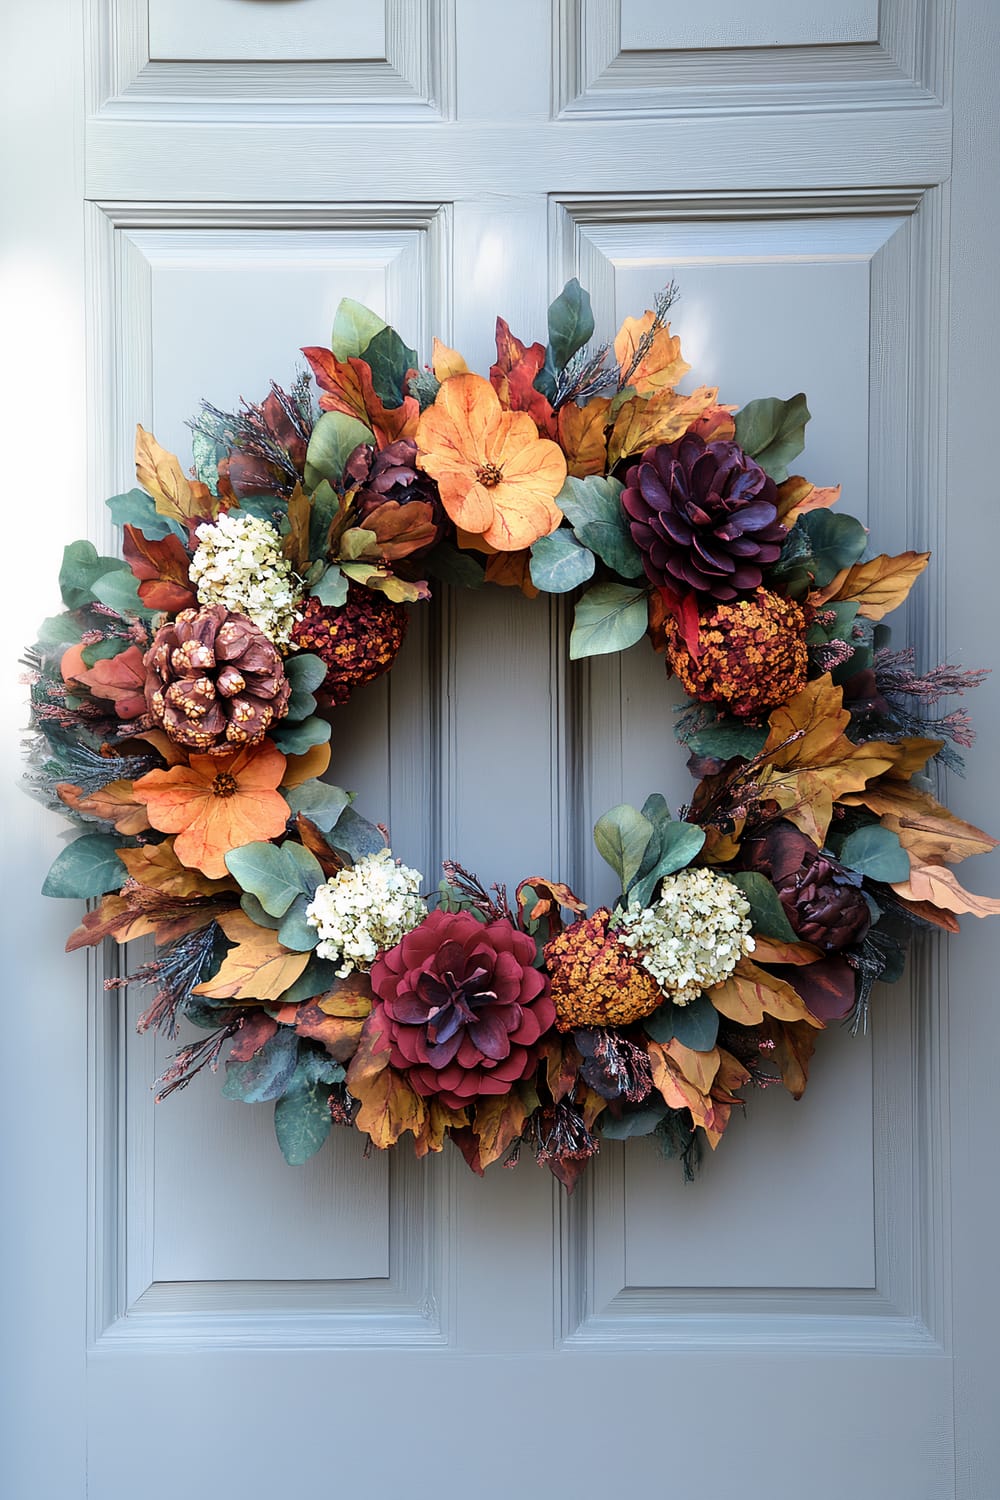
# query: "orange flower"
497 477
215 803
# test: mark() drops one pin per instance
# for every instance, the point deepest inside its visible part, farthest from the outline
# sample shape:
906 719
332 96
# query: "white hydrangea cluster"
239 563
693 937
365 910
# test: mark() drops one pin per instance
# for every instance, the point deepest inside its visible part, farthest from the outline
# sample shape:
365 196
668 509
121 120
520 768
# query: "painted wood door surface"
191 187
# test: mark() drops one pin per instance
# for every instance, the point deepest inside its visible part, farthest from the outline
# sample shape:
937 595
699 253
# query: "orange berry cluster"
596 981
752 654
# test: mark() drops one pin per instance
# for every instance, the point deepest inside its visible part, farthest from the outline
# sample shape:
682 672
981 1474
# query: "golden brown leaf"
296 543
445 361
797 496
175 495
113 803
371 1058
750 993
794 1044
258 968
438 1120
937 885
927 830
675 1089
157 866
351 998
698 1068
773 951
339 1035
497 1122
881 584
660 367
308 766
581 436
660 418
562 1064
389 1108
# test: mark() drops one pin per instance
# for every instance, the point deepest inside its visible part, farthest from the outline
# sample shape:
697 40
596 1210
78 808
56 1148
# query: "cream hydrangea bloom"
693 937
239 563
365 910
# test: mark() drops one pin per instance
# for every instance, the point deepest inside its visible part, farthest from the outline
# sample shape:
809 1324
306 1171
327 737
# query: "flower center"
224 785
489 476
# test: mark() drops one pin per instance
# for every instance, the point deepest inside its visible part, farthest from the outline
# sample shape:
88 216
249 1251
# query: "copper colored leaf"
339 1035
112 803
794 1044
660 418
351 998
562 1064
580 434
401 529
121 678
698 1068
157 867
296 544
162 568
330 861
772 951
549 899
160 473
255 1029
389 1108
675 1089
750 993
797 496
937 885
497 1122
257 968
371 1058
347 387
438 1120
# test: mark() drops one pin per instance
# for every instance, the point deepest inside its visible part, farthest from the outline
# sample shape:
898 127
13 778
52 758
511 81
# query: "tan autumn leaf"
939 886
350 999
883 583
660 367
340 1035
927 830
389 1108
258 968
581 436
296 543
438 1120
674 1088
660 418
794 1044
157 866
371 1058
808 729
309 766
750 993
698 1068
497 1122
772 951
562 1063
115 917
797 496
446 362
732 1075
112 803
589 1102
175 495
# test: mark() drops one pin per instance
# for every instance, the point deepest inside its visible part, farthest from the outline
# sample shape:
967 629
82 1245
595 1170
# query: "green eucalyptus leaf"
724 740
390 361
333 440
772 431
767 915
302 1121
275 876
354 327
610 617
460 569
317 979
634 1122
836 541
354 836
622 836
89 866
296 739
835 623
559 562
326 505
119 590
295 932
593 508
695 1025
876 852
321 803
679 844
256 912
267 1074
136 508
331 588
356 542
270 508
657 809
305 671
81 567
571 324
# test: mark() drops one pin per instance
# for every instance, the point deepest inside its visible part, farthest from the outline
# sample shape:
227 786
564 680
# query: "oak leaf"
120 678
346 386
389 1108
497 1122
927 830
257 968
112 803
438 1121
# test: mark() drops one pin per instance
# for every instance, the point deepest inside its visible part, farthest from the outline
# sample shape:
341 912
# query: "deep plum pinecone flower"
822 900
463 1006
391 476
704 517
358 641
214 681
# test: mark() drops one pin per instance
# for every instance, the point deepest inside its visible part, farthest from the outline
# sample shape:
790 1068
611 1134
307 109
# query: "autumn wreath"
181 710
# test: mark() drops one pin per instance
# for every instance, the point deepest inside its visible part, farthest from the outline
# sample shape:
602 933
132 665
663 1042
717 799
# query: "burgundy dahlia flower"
463 1006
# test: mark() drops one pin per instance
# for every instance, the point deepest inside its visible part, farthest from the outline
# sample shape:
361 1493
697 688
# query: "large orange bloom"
498 479
215 803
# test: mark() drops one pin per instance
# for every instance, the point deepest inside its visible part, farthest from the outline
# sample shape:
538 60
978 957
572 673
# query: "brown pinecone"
214 680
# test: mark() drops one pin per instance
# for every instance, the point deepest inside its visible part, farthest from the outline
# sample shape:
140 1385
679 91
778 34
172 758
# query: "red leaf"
162 570
255 1029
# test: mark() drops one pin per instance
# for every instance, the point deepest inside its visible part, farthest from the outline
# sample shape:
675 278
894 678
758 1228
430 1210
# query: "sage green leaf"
836 541
724 740
695 1025
270 508
305 671
571 323
679 843
295 932
57 631
276 876
593 508
657 809
354 836
81 566
302 1121
634 1122
610 617
119 590
321 803
354 327
256 912
390 361
844 612
767 915
559 563
331 589
356 542
319 978
460 569
206 454
266 1075
296 739
136 508
333 440
772 431
876 852
621 836
87 867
